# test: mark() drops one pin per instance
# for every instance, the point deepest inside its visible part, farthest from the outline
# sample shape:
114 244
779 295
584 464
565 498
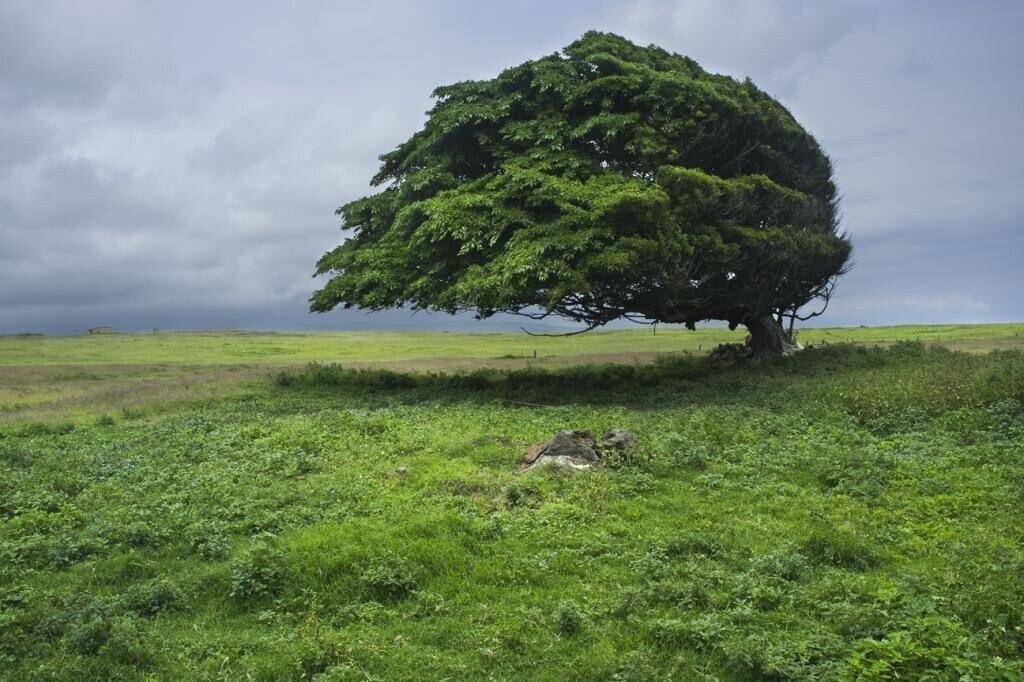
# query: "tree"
606 181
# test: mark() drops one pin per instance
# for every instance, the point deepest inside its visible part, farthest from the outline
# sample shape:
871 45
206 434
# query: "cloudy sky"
177 165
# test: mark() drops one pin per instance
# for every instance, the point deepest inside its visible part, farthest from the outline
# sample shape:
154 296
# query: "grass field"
227 348
69 377
207 506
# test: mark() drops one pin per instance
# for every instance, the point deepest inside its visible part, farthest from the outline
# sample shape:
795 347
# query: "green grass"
233 348
848 513
79 377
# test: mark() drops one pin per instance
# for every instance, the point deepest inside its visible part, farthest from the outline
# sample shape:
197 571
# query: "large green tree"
606 181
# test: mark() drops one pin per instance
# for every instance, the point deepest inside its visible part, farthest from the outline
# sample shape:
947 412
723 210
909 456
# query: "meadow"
350 506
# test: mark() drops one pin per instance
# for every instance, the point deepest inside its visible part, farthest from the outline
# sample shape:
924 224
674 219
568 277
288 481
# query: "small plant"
70 550
683 452
86 623
129 413
696 542
126 644
388 578
921 650
653 564
211 544
786 563
636 667
670 632
257 573
691 458
627 458
142 534
522 494
154 597
842 548
569 618
47 429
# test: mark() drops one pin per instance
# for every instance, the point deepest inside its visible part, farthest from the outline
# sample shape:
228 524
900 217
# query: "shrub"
257 573
388 578
126 644
859 473
46 429
86 624
637 666
928 647
840 547
211 542
68 550
702 542
523 494
634 457
569 617
151 598
142 534
786 563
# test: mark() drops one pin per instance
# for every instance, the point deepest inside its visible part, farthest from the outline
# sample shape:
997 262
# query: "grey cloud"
59 53
178 164
937 272
74 196
244 142
23 137
770 41
145 103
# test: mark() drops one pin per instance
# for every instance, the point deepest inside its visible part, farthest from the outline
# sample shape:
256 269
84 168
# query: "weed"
257 573
46 429
211 542
846 513
841 547
142 534
569 617
153 597
388 578
786 563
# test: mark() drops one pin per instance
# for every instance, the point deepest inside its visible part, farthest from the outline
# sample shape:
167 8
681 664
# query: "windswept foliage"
605 181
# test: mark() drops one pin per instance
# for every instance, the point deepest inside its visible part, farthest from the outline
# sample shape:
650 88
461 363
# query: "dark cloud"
23 137
178 164
936 272
59 53
776 42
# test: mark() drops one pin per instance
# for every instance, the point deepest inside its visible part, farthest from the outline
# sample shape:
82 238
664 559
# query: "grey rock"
618 439
571 463
577 449
574 445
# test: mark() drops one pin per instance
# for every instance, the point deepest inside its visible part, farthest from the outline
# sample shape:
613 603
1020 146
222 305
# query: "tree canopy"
605 181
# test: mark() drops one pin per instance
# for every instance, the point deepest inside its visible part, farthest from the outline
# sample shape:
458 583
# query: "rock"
402 471
618 439
569 449
533 453
577 449
573 444
565 462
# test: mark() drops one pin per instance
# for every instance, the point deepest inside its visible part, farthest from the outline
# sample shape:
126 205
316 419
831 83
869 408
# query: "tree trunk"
767 337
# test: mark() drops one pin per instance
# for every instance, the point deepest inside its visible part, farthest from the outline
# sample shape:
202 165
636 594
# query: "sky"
177 165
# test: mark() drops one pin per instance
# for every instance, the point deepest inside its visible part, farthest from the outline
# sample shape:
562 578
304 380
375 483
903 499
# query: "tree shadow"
672 380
